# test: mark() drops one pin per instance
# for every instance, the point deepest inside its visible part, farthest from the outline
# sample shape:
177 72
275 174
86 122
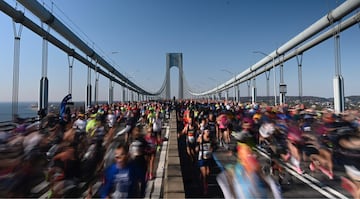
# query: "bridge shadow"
191 174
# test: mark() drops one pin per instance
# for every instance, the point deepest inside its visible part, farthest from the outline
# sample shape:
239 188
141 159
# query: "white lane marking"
40 187
149 187
308 181
45 195
333 191
153 188
312 185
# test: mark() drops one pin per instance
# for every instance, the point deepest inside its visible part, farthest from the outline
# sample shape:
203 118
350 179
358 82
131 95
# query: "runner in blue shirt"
118 177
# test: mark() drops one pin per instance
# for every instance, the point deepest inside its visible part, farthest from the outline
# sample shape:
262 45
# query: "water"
24 110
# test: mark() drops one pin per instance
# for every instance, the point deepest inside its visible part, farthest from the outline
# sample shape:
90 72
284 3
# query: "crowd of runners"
308 139
118 143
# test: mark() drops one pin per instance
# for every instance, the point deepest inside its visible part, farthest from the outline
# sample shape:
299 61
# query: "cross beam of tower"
174 60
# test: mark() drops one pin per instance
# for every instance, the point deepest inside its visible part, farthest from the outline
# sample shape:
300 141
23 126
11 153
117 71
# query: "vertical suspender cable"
339 97
299 59
88 87
96 94
267 75
248 85
71 64
44 81
15 94
282 94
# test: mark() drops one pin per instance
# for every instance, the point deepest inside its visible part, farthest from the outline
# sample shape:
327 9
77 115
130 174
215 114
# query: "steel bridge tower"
174 60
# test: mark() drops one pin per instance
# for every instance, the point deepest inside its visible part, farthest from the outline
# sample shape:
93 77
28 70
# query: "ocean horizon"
26 109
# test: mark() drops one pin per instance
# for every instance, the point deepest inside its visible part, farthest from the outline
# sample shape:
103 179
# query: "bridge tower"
174 60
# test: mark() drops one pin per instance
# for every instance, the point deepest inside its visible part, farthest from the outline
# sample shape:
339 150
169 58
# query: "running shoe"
349 186
151 176
298 170
287 157
312 166
326 172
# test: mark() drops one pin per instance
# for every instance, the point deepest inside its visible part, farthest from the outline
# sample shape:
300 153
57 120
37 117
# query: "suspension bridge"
329 26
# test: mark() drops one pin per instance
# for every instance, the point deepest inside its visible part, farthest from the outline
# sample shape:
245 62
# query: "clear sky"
212 35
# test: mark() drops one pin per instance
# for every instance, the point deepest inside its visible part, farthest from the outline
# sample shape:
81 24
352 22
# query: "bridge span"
177 173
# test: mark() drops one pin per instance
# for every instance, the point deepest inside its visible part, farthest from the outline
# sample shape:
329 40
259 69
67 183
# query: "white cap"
266 130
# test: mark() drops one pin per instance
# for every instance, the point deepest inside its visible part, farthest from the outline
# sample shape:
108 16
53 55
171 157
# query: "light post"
231 73
273 61
238 92
248 86
212 79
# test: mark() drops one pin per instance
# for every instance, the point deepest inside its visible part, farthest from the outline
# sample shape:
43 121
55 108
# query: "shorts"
157 133
222 130
191 139
204 163
151 151
212 134
191 144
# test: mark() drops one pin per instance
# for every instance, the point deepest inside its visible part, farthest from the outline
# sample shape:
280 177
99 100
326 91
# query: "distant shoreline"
104 101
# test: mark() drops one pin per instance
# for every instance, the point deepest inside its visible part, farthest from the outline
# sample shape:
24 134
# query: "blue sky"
212 35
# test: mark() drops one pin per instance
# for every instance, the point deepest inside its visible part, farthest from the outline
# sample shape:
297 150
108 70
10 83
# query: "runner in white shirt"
157 127
80 123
